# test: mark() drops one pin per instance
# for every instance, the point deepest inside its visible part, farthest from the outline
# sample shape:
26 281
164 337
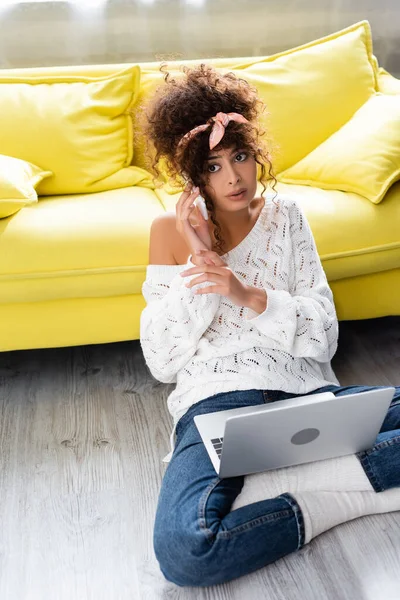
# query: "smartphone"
200 203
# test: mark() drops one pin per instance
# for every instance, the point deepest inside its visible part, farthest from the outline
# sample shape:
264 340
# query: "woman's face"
231 178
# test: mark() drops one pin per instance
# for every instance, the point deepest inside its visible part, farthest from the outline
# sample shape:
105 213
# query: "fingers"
212 256
187 193
189 222
210 259
187 189
212 277
211 269
187 206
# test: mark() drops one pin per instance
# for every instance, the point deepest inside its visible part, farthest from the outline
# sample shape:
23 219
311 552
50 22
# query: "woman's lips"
238 196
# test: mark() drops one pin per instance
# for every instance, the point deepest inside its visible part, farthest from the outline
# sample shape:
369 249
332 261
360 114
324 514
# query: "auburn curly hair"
184 102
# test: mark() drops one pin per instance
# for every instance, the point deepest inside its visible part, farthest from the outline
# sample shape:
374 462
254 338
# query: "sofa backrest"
309 91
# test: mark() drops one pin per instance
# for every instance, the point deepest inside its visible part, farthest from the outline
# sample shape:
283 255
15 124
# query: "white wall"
60 33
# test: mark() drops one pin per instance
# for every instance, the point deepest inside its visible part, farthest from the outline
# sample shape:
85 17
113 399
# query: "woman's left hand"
217 271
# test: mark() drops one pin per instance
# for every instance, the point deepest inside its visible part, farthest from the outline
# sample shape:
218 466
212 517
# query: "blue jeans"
199 542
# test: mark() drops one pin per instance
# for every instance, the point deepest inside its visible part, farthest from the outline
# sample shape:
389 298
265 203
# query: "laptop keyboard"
217 443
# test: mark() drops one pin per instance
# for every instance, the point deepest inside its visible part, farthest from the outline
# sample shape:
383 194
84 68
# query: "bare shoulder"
166 245
162 230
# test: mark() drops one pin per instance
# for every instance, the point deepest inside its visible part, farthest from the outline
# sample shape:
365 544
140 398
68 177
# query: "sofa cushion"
387 83
81 246
353 236
310 91
18 180
76 126
362 157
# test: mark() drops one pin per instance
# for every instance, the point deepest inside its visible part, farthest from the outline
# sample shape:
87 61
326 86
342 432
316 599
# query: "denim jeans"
199 542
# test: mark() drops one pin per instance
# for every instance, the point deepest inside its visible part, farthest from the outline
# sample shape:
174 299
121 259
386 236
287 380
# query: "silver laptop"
294 431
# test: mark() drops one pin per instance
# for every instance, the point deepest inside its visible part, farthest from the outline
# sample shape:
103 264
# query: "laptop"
293 431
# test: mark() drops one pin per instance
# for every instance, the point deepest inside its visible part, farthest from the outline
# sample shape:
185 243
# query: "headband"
218 124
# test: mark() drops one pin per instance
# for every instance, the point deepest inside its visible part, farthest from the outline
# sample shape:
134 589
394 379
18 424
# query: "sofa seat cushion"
80 246
353 236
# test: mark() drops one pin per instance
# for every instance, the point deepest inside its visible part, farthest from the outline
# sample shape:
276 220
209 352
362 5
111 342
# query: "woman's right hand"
197 237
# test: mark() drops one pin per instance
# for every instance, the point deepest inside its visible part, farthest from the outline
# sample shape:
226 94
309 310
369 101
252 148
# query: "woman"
239 312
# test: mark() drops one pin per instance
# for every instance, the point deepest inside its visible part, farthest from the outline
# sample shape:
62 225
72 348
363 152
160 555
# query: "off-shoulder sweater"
207 345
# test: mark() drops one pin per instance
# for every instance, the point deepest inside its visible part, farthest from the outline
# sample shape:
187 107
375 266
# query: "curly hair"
183 103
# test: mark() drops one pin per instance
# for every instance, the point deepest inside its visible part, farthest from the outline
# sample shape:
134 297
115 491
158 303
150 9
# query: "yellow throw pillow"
312 90
78 126
362 157
18 180
387 83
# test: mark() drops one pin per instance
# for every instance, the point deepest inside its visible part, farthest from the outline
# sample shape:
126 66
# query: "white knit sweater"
206 344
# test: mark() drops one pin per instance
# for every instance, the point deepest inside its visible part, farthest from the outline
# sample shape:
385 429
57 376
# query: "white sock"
343 473
324 510
329 492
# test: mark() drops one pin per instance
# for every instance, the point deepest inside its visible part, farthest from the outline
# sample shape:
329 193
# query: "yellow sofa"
72 264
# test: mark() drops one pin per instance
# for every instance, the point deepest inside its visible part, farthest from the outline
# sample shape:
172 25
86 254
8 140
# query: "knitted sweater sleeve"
174 319
301 321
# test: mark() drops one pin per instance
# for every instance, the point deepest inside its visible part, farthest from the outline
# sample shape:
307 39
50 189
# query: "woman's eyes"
240 157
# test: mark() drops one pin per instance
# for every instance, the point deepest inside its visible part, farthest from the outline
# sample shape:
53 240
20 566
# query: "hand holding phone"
197 235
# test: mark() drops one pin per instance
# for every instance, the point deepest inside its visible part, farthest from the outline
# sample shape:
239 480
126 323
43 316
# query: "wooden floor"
82 434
